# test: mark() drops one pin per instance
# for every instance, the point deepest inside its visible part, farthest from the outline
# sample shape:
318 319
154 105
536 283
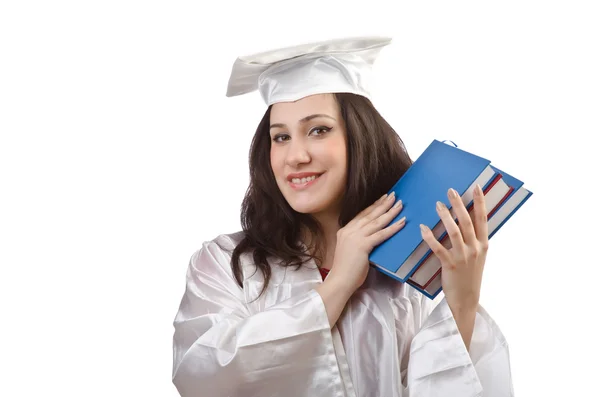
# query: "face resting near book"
309 154
330 155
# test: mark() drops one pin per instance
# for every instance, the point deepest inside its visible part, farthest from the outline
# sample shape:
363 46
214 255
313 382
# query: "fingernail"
392 195
401 220
440 206
452 193
382 197
478 190
398 204
423 228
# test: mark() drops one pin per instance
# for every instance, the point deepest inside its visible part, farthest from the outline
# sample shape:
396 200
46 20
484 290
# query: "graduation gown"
389 341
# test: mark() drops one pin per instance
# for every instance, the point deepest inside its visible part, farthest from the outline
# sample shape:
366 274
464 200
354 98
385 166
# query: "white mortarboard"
291 73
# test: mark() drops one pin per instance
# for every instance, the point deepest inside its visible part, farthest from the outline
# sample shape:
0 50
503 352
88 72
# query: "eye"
281 137
321 130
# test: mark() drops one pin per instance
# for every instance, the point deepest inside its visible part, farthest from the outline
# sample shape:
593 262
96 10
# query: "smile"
298 181
301 183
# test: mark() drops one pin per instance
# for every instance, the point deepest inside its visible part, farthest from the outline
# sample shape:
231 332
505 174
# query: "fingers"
375 224
379 208
381 217
480 216
438 249
465 223
383 234
452 229
368 210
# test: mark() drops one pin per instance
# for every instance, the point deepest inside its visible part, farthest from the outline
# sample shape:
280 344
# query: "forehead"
289 112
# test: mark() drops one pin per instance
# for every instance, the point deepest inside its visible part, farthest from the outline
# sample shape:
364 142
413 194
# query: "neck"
329 225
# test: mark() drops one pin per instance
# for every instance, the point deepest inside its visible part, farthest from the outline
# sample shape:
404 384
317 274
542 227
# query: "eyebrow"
303 120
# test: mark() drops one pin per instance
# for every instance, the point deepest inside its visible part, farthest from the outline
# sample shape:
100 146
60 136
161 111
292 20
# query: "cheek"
336 154
276 162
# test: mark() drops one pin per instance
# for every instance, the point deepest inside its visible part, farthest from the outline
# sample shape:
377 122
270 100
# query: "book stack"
405 256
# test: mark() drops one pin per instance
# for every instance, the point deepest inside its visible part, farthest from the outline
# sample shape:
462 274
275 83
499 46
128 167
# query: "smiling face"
308 153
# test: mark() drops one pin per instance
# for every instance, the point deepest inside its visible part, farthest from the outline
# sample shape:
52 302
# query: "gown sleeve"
439 362
220 348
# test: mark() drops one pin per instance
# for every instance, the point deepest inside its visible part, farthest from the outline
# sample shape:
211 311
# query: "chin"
314 202
313 205
307 208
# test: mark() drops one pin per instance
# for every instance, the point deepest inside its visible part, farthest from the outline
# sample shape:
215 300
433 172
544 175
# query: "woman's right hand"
356 240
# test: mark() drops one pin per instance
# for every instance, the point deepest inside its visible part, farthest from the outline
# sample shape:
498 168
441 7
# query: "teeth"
303 180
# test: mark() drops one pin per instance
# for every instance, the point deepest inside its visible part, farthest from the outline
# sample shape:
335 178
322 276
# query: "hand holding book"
408 257
463 263
356 240
354 243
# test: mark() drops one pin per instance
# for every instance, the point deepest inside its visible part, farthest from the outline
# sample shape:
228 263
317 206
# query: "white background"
120 155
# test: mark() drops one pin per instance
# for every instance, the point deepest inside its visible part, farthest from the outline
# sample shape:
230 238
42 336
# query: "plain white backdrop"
120 155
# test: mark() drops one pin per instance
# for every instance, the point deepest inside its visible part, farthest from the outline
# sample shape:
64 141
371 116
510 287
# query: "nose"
298 153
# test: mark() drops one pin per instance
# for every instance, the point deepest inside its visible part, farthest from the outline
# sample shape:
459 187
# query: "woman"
290 305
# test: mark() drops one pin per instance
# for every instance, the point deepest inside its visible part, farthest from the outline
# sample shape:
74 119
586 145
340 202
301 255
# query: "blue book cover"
439 168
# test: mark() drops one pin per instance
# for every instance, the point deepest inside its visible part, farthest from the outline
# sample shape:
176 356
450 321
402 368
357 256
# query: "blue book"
497 217
439 168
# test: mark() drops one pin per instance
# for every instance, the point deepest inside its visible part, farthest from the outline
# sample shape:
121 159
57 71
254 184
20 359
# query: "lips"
303 180
303 177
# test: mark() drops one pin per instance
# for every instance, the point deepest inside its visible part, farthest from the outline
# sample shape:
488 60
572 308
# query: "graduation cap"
291 73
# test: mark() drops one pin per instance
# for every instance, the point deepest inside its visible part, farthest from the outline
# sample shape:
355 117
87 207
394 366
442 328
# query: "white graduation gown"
390 341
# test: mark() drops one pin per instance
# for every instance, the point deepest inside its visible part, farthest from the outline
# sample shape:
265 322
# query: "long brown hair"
377 158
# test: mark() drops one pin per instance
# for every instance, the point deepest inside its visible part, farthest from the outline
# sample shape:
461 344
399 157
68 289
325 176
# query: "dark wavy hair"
376 157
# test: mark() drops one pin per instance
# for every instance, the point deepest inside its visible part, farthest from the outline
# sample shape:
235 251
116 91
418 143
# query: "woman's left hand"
462 264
